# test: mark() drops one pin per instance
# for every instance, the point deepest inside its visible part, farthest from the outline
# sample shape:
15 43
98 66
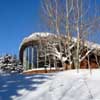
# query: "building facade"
46 50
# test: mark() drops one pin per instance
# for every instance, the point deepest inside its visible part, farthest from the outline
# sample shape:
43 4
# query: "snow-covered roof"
92 45
89 44
36 35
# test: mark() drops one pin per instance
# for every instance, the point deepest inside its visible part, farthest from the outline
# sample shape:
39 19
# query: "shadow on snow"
10 84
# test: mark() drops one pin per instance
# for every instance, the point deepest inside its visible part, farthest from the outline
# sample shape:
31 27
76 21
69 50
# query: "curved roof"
34 37
37 35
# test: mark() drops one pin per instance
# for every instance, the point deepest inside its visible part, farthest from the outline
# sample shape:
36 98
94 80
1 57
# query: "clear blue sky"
19 18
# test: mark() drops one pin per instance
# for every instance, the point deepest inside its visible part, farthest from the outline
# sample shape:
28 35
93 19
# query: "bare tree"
72 17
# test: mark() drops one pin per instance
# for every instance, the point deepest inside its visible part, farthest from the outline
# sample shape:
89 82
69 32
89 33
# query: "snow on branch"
86 55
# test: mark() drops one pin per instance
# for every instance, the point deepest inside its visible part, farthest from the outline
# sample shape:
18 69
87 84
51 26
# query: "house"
48 51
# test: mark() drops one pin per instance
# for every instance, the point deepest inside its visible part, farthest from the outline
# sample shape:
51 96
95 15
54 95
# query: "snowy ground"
67 85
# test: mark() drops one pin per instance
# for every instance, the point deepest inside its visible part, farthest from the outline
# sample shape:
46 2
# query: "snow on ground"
13 86
66 85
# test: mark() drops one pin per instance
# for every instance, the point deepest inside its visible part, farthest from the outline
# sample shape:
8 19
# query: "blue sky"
19 18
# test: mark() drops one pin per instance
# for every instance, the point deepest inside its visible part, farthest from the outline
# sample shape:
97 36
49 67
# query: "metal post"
32 57
27 65
37 57
24 59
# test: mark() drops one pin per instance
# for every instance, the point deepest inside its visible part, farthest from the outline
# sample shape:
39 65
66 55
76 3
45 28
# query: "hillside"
67 85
